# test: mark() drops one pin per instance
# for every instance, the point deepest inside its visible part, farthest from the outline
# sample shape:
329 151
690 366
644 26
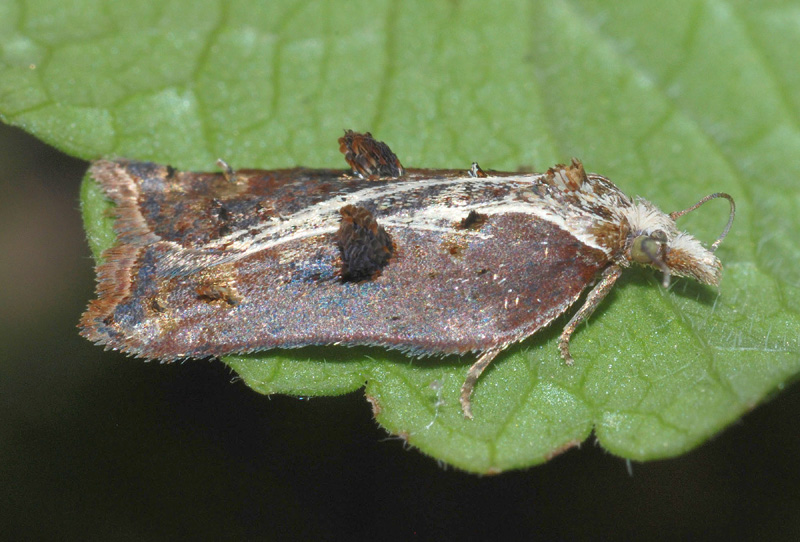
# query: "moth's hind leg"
472 377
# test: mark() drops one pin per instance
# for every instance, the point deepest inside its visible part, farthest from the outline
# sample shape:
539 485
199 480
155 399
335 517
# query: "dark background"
96 446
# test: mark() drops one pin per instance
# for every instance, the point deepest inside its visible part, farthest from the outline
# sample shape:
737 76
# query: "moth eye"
647 248
659 236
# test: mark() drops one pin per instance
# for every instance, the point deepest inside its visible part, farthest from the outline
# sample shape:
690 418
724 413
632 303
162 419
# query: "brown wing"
439 292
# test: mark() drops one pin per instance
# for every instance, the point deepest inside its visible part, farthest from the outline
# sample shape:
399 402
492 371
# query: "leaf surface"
671 103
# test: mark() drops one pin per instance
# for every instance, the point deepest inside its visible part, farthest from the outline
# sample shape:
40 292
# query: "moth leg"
601 289
472 377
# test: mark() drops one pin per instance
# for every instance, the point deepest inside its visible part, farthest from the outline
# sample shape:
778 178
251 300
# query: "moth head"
655 240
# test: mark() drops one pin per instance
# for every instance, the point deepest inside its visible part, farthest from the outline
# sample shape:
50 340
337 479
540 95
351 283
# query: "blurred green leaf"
671 101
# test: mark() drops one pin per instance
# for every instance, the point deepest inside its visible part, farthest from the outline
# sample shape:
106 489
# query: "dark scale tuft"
364 244
473 221
369 157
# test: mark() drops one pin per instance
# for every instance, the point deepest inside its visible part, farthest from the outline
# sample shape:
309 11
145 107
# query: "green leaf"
671 101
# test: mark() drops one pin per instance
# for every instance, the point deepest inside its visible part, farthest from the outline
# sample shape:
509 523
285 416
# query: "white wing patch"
443 211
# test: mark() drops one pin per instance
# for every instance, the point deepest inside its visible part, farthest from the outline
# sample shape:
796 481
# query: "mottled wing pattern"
467 263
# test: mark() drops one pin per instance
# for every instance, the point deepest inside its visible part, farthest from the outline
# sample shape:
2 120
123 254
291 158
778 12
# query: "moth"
430 262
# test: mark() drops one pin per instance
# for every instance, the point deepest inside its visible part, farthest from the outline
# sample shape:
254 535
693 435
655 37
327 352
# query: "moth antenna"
227 171
715 195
